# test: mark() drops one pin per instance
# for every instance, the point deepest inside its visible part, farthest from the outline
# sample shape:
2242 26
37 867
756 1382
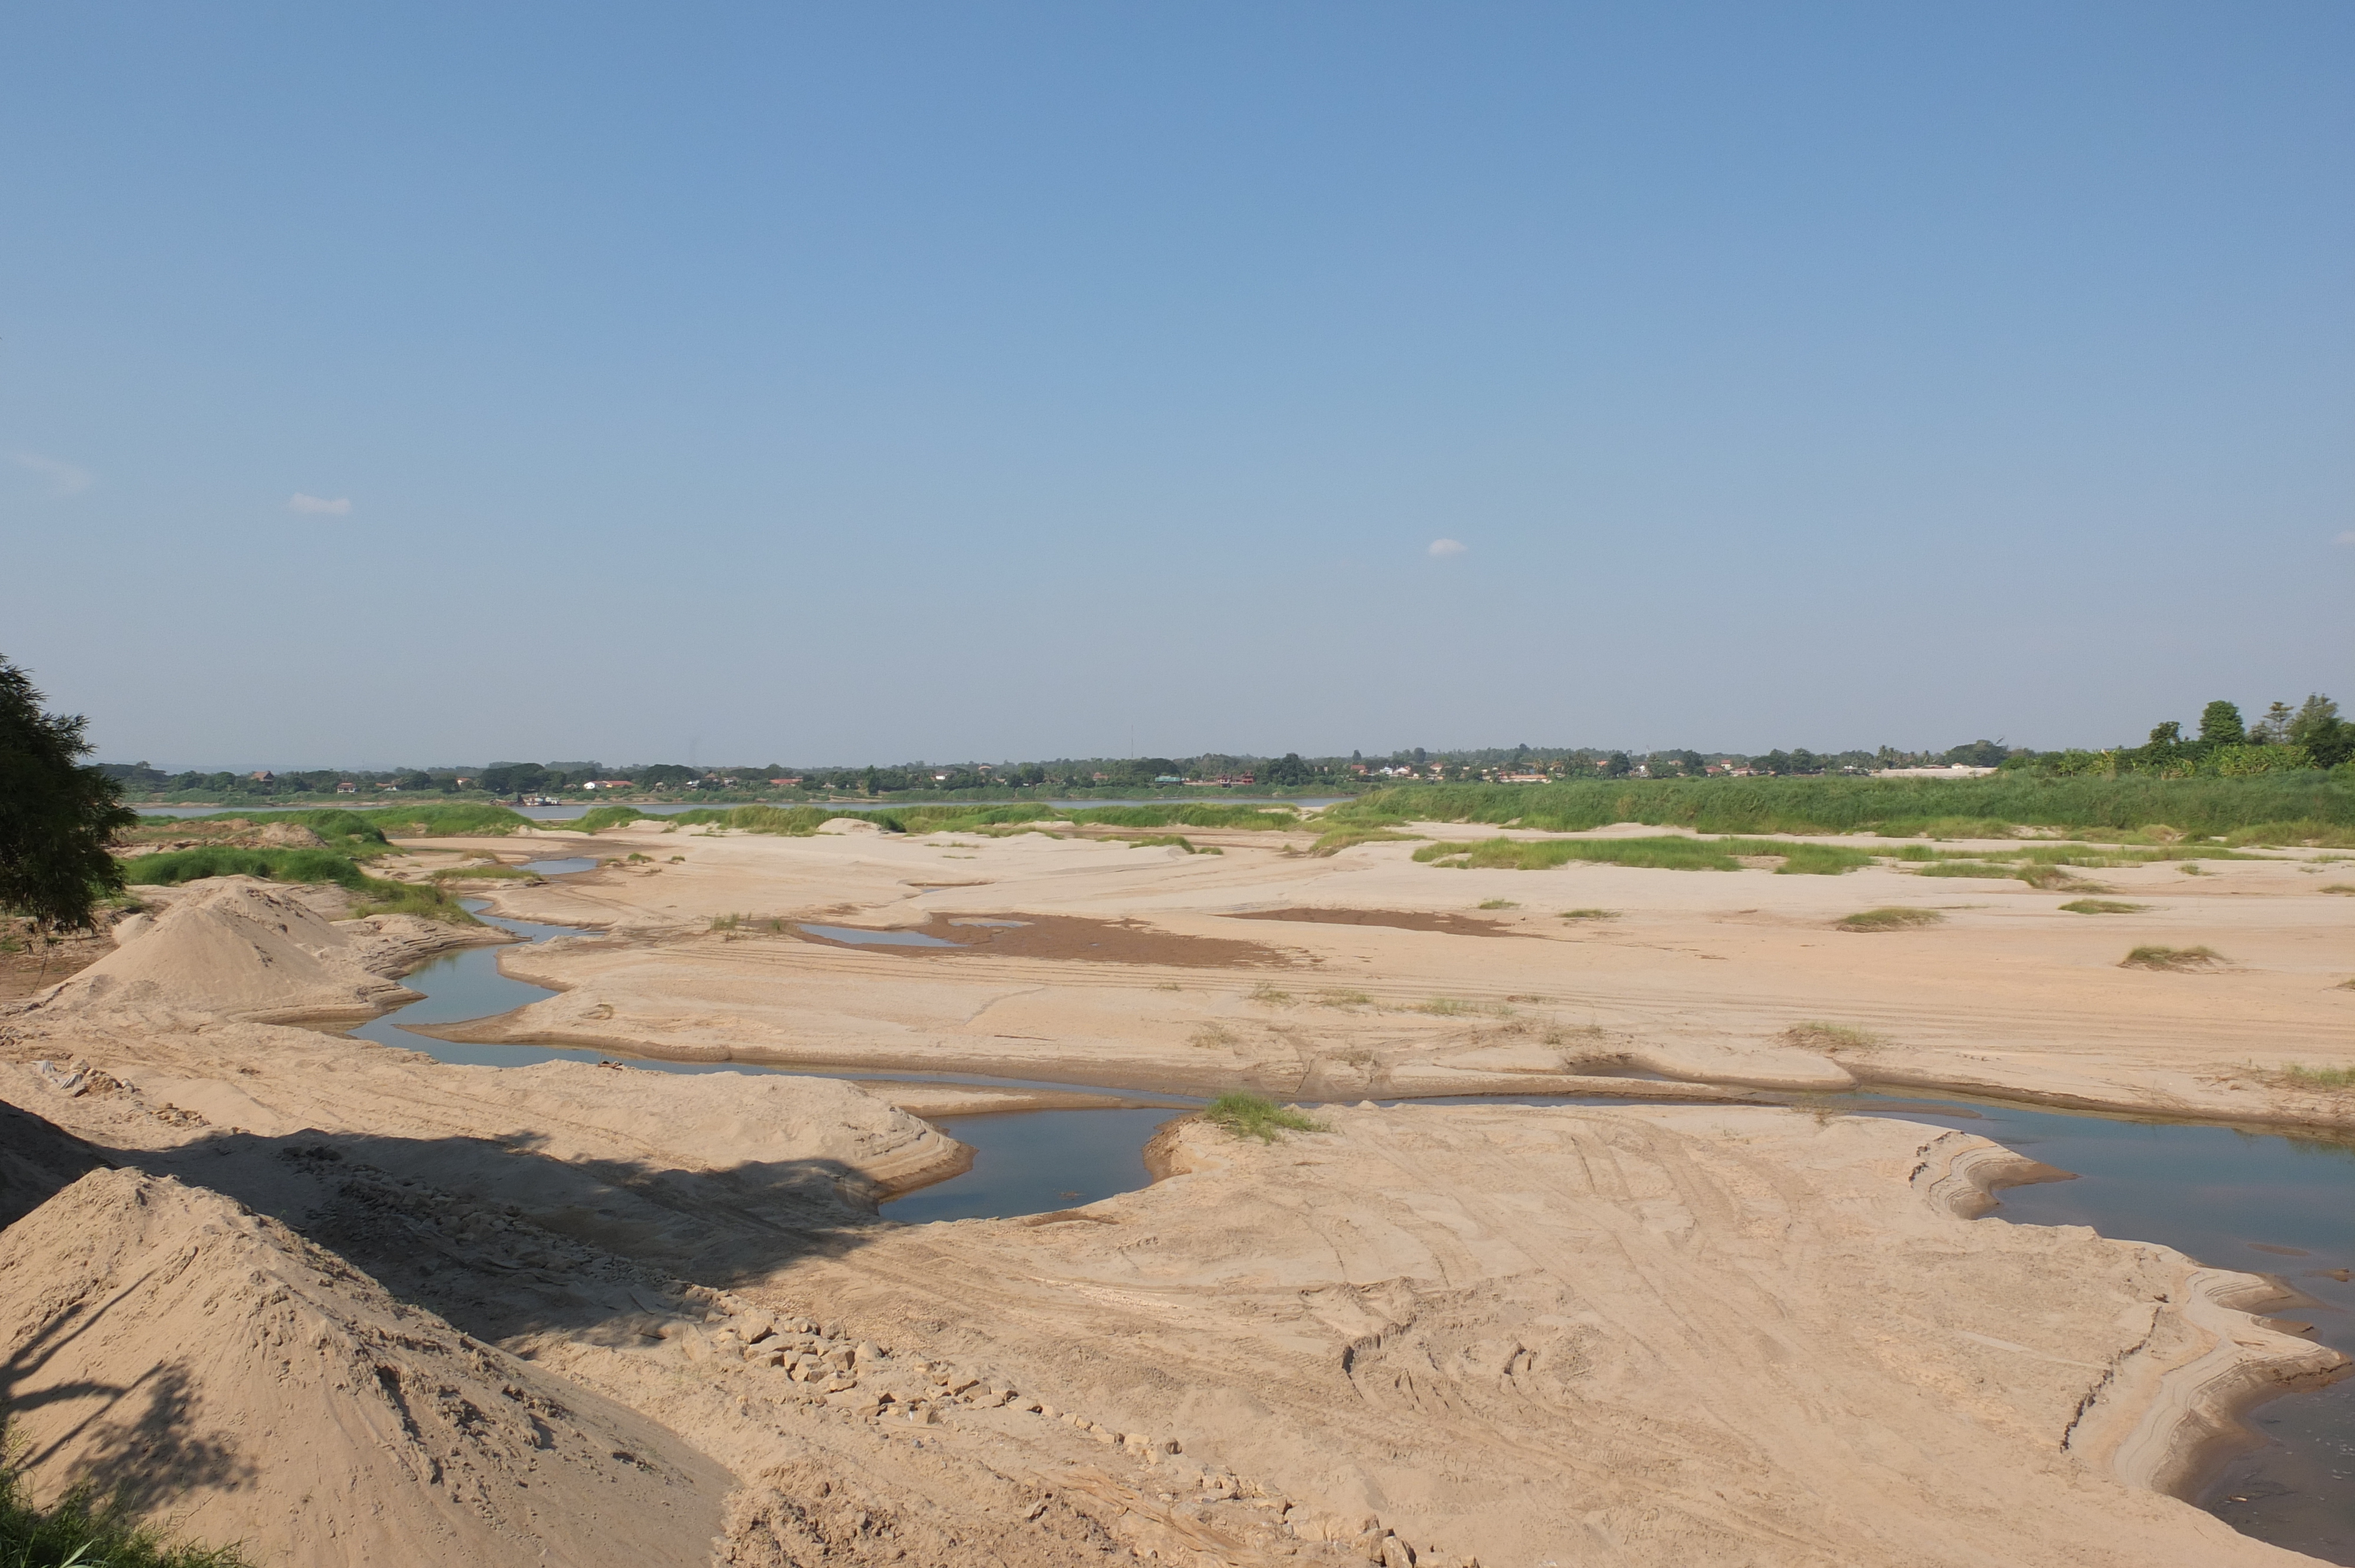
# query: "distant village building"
1521 779
784 783
347 788
1955 770
264 777
600 784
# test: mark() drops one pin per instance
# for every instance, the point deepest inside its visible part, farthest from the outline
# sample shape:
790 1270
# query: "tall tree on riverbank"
57 813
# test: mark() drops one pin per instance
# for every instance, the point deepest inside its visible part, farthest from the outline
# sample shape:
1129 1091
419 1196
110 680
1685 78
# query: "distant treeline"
2309 738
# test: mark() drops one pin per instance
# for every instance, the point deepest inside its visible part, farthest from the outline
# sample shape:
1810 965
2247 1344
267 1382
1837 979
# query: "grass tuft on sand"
2103 907
1247 1115
2333 1080
2176 959
482 873
1340 839
1815 1035
82 1530
1895 917
1590 914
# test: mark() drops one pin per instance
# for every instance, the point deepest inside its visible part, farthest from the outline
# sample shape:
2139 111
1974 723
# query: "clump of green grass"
1269 996
1247 1115
1590 914
1339 839
1454 1007
2337 887
1815 1035
1344 999
1498 904
2191 868
2103 907
2333 1079
1213 1037
426 900
726 922
84 1530
1173 841
597 818
2176 959
1968 868
1895 917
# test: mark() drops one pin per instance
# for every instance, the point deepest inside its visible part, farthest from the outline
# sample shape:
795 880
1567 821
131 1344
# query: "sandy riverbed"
1256 967
1655 1335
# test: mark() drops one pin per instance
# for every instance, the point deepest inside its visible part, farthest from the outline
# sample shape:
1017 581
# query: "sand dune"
257 1388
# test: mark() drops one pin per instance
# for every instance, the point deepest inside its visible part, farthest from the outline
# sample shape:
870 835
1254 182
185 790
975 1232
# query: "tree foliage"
57 813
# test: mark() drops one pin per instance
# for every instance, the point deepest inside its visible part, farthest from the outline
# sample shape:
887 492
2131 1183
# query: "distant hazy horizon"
1020 381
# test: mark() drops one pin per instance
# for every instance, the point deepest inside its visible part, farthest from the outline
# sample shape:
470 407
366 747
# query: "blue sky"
849 383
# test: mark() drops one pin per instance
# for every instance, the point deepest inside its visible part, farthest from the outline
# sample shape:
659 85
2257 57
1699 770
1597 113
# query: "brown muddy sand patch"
1404 919
28 965
1054 936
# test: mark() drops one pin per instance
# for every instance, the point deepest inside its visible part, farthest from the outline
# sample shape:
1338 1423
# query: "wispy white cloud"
63 478
2347 537
319 505
1445 547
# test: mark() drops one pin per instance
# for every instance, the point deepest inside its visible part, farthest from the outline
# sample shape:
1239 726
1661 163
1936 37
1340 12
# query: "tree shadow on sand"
502 1239
140 1441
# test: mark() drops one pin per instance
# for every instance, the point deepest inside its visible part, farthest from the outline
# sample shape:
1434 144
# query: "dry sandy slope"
1696 977
1642 1336
257 1388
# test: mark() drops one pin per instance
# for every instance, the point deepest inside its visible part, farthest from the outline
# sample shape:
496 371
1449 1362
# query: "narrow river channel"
2261 1201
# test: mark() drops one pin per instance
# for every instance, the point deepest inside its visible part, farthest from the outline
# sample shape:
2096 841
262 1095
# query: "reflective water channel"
2261 1201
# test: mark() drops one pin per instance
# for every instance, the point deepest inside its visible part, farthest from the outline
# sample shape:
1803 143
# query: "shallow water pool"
860 937
1035 1162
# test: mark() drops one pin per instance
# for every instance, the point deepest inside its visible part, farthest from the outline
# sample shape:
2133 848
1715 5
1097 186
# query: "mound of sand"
239 947
37 1162
251 1385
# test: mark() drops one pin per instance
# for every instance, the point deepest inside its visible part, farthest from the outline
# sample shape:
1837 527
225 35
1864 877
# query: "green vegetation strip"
2273 807
1247 1115
1667 853
374 896
364 833
799 821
